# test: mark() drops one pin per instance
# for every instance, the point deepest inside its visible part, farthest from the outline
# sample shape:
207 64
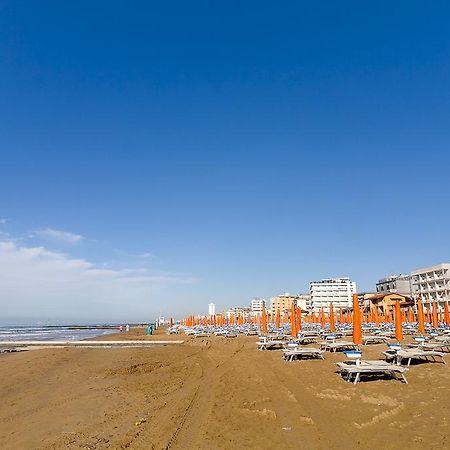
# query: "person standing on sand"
121 328
127 328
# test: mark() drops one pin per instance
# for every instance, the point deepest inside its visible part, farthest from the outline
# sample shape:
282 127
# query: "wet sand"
212 393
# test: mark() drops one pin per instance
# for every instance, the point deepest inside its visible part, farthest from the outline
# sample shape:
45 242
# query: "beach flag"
398 322
357 330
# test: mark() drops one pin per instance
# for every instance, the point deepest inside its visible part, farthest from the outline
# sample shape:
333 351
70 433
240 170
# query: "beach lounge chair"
300 353
338 346
266 344
349 370
413 353
374 339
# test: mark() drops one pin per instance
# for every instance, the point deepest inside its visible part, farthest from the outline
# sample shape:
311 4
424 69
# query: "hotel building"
338 291
395 284
432 284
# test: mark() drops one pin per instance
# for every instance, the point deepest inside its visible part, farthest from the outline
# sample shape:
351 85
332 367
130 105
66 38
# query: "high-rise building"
338 291
432 284
395 284
257 305
211 309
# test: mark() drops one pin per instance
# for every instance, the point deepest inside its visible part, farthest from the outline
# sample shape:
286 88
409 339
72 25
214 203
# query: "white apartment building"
257 305
211 309
432 284
395 284
338 291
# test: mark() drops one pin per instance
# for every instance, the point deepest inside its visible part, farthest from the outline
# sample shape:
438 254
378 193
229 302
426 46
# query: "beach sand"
212 393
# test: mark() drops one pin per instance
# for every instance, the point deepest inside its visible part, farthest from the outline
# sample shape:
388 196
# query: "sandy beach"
212 393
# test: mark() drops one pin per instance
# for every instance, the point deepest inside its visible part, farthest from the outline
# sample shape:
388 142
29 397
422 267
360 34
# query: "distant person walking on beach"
127 328
121 328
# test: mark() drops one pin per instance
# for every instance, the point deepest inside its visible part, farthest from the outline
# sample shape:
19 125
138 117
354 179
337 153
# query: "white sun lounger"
338 346
350 369
374 339
290 355
266 344
413 353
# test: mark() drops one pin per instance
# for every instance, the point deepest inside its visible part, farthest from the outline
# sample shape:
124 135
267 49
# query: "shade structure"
398 322
293 320
278 319
332 323
357 330
446 314
434 317
341 316
264 321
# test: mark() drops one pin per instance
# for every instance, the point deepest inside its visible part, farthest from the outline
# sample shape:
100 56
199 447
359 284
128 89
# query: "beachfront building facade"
384 302
432 284
211 309
257 305
283 302
338 291
395 284
304 302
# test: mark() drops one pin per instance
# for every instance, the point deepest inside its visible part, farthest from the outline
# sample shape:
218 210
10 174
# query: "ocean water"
52 333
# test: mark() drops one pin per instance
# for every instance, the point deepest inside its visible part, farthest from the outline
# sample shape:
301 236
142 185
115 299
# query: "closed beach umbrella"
341 316
446 314
278 319
264 321
410 315
435 316
299 320
322 318
332 324
357 330
376 317
398 322
293 324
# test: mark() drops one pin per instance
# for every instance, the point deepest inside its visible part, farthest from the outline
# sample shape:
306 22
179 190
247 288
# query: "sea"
54 333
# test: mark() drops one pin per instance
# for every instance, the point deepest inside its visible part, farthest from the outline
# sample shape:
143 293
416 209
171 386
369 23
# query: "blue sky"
211 151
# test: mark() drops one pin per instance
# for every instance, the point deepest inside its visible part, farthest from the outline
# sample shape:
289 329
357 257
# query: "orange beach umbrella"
446 314
332 323
357 330
293 320
278 319
398 322
264 321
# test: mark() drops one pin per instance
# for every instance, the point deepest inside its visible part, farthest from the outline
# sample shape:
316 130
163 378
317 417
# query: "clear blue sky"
222 150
